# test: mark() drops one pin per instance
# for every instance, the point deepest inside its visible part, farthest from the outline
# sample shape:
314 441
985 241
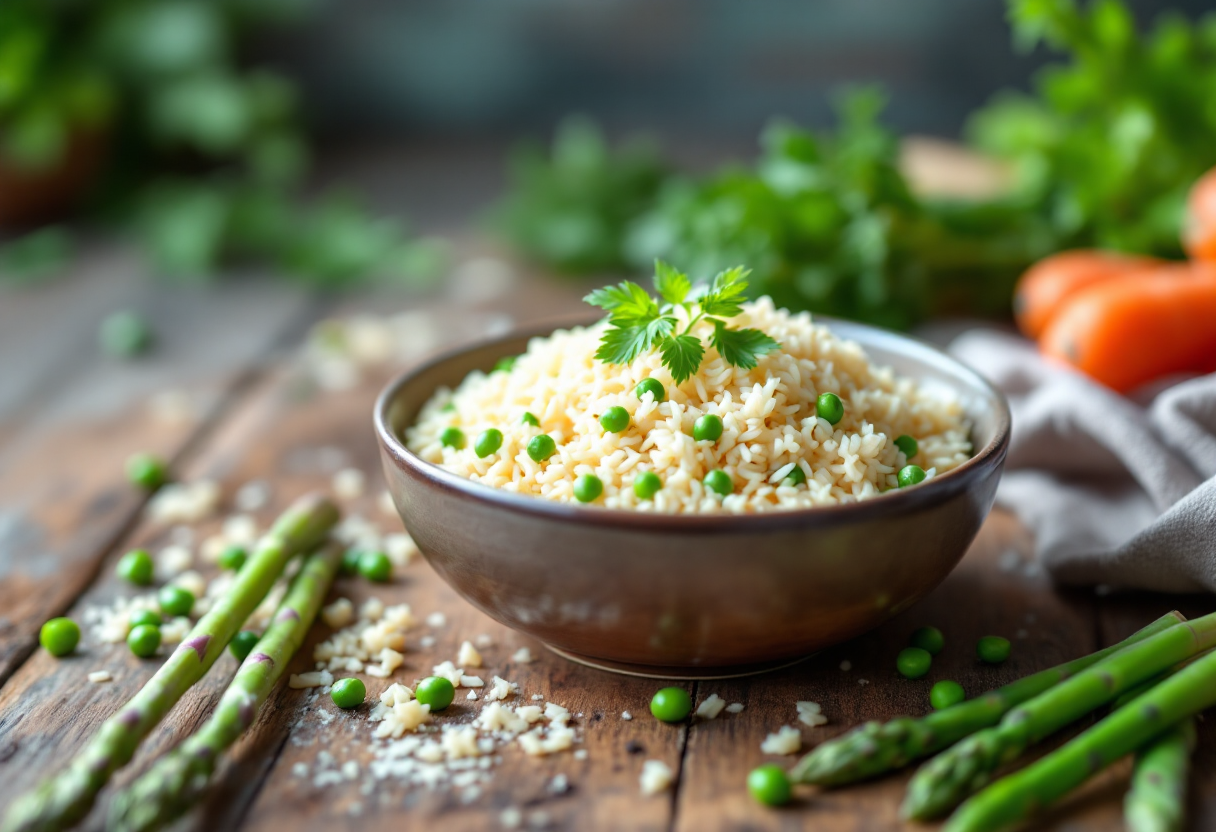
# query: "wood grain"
603 788
979 598
75 415
48 709
272 429
63 502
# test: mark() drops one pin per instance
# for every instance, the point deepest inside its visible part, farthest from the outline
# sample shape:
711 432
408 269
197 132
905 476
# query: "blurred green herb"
146 102
826 222
35 256
571 209
125 334
1112 138
638 323
1103 152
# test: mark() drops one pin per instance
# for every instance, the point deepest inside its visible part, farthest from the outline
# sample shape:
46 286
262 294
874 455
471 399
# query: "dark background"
684 69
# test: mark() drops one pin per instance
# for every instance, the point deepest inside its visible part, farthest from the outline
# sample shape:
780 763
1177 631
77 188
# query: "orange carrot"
1046 285
1199 228
1137 328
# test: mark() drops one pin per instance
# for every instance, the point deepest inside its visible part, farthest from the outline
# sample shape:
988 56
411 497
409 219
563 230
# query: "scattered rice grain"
656 777
711 707
785 740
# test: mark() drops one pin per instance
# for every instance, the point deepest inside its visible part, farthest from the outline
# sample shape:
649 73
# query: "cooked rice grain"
768 414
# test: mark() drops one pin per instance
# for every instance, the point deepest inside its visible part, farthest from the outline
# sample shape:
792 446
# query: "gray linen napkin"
1118 491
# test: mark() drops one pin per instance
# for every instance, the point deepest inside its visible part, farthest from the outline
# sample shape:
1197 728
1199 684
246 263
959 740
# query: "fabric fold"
1117 490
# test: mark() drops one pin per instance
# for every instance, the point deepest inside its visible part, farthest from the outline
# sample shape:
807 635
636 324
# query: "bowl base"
648 671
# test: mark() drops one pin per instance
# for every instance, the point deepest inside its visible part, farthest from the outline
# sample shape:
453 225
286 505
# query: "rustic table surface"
245 406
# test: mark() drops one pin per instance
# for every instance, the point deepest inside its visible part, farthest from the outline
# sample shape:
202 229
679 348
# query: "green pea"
529 419
125 334
652 386
144 640
707 428
541 447
913 662
719 482
929 639
174 600
452 438
587 488
769 785
242 644
233 557
615 419
671 704
906 444
910 475
647 485
992 649
435 691
147 471
144 618
945 694
829 407
450 407
376 567
795 477
59 636
350 561
505 365
348 693
488 441
136 567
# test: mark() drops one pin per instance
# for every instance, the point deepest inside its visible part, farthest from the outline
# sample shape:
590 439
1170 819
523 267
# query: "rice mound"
768 416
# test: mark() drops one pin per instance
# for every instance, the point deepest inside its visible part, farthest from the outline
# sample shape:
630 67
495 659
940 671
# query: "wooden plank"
33 731
990 593
603 788
63 498
52 369
48 709
46 330
271 436
62 503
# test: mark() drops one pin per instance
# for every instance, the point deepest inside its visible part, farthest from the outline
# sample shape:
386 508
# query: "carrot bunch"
1126 320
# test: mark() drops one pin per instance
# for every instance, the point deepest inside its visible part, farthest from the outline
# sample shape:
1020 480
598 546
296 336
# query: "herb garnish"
639 323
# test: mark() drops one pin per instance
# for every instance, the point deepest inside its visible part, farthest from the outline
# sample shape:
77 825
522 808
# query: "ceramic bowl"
693 596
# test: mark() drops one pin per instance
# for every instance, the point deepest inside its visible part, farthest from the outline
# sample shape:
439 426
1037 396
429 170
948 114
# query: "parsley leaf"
637 324
741 347
673 285
627 303
682 355
726 293
622 344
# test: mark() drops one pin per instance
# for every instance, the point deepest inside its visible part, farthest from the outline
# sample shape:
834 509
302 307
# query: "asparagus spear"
65 799
1156 801
1011 800
876 747
1149 806
946 780
177 781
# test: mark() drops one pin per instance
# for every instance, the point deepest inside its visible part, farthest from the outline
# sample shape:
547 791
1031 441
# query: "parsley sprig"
639 323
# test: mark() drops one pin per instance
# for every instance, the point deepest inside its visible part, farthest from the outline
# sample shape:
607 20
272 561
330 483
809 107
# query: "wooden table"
66 515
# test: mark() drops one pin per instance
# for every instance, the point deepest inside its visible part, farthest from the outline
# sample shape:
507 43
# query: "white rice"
768 415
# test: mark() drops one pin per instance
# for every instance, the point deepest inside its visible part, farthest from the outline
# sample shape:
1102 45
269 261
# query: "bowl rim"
904 500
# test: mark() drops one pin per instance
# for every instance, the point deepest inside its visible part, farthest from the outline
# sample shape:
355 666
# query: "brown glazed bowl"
693 596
